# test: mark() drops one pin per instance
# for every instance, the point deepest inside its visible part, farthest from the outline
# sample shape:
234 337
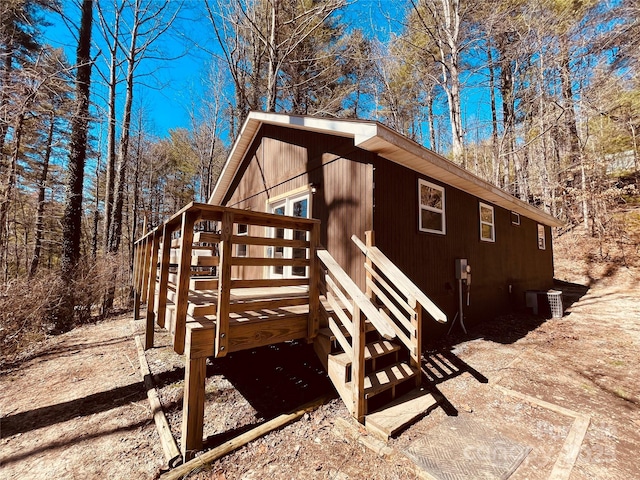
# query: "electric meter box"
462 268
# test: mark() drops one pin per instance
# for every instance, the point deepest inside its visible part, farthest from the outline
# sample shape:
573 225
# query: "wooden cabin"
349 236
357 176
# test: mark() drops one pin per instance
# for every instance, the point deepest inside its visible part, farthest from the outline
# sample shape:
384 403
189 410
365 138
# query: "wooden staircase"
371 342
214 301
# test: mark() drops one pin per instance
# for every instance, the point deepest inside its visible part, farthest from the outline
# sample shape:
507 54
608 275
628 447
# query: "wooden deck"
215 298
257 316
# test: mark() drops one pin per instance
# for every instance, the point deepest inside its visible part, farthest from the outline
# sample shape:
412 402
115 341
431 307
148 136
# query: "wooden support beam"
193 405
357 365
153 269
200 338
164 275
314 283
224 285
184 276
416 353
206 458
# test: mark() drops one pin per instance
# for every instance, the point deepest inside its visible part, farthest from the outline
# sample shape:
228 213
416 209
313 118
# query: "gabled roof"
375 137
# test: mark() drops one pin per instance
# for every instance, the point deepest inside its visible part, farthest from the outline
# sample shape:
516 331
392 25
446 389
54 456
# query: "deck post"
314 283
358 365
416 340
164 275
193 401
184 276
370 240
151 304
224 284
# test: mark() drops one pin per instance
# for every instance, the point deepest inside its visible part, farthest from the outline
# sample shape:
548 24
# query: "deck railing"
181 256
400 301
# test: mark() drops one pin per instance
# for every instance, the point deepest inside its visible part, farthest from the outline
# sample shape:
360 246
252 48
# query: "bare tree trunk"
6 79
111 31
10 182
72 217
115 233
96 213
575 151
442 24
42 183
430 120
272 78
494 118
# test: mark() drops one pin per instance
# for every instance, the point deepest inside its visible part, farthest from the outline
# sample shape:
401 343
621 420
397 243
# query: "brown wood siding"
282 160
429 259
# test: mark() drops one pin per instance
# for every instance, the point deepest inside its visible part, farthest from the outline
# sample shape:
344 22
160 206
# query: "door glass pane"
299 210
279 250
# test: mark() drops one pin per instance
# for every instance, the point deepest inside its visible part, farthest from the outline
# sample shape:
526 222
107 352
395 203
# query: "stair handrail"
360 308
359 298
392 272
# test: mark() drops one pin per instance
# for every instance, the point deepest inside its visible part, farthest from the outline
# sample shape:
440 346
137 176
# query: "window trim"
492 224
441 211
542 239
515 218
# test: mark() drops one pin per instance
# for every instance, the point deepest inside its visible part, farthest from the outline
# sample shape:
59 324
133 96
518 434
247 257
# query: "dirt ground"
75 407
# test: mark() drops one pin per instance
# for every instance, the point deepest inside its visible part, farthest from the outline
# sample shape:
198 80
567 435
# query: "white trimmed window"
487 223
241 248
542 241
431 216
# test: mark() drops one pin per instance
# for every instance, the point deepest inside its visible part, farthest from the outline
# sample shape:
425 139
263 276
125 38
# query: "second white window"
487 223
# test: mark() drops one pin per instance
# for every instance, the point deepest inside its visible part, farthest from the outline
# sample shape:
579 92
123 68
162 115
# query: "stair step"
388 377
398 414
371 350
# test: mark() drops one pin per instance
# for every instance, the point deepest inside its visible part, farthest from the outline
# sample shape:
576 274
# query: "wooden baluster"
146 268
357 365
184 276
153 273
136 280
224 285
370 240
164 275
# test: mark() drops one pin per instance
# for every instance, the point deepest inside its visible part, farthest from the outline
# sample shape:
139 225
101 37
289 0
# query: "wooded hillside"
542 98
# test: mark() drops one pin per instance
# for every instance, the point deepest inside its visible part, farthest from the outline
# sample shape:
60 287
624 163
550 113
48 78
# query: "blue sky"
167 89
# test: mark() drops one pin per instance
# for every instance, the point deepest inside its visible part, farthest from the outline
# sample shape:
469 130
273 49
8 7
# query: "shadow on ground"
510 327
64 411
274 379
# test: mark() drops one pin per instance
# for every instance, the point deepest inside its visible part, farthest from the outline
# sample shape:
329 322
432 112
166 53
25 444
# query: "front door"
294 206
